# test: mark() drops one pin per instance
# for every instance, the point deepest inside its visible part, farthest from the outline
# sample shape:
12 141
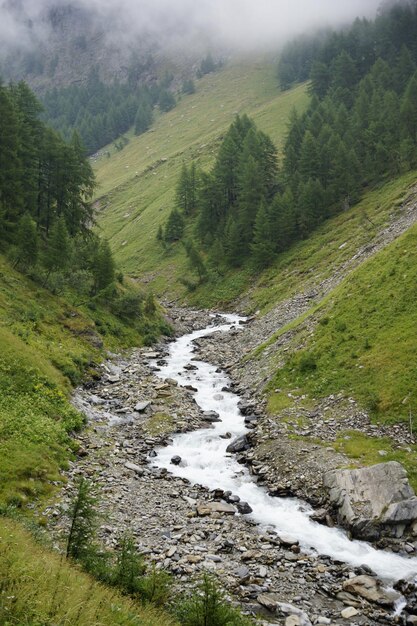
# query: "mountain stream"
205 461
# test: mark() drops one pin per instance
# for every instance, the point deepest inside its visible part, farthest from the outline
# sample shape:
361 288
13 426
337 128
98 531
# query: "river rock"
243 573
373 499
238 445
211 416
370 589
207 508
135 468
270 601
245 407
176 460
142 406
296 616
244 508
349 612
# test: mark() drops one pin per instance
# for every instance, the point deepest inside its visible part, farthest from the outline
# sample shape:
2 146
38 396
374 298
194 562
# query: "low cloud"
244 24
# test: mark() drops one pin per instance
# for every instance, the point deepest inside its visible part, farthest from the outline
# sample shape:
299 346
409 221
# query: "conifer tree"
174 227
27 242
57 254
263 246
183 191
409 109
103 268
283 221
188 86
232 242
82 522
11 184
144 117
166 101
195 259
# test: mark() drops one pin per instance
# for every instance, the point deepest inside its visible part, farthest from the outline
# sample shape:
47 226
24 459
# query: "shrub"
307 363
208 606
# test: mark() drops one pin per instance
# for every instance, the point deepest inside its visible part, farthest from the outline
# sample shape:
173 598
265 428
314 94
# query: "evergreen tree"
11 183
311 206
409 110
27 242
283 221
144 117
160 233
320 79
182 192
174 227
207 65
188 86
166 101
195 259
232 242
309 157
263 246
57 254
82 517
103 268
251 196
404 70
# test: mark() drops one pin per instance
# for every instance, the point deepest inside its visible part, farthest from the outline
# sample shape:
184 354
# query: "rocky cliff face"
65 43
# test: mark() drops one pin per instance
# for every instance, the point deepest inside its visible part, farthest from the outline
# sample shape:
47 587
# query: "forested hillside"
248 206
137 186
359 130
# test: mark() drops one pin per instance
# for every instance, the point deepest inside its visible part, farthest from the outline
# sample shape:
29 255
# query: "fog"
240 24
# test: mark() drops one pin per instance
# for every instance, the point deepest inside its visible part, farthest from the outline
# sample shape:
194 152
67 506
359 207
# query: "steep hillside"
48 345
136 186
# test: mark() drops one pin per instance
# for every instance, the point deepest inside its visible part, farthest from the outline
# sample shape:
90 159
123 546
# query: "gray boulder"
238 445
373 501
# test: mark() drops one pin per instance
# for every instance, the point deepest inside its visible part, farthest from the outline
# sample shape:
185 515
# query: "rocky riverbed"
187 529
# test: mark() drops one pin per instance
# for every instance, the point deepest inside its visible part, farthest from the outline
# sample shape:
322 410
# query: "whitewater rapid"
207 463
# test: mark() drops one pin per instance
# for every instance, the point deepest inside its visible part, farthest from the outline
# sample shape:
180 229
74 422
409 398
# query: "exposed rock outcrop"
373 501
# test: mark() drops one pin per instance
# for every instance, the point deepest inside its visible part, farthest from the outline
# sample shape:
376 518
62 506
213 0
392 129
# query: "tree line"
358 130
101 112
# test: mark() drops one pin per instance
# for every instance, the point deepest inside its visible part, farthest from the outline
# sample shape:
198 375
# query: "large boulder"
371 589
373 501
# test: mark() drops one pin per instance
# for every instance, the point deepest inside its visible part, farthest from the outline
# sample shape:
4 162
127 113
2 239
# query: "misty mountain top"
236 23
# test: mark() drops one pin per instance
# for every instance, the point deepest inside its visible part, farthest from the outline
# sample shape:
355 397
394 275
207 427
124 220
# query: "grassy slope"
45 345
331 246
39 587
365 341
136 185
364 346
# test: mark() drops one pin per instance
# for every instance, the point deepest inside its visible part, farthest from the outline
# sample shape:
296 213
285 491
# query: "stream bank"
260 570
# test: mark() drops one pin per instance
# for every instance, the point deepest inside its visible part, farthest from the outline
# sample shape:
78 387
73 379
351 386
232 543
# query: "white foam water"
206 462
